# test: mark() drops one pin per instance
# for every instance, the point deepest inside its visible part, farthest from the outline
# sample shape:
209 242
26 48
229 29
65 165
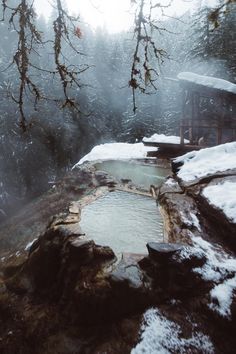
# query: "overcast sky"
114 14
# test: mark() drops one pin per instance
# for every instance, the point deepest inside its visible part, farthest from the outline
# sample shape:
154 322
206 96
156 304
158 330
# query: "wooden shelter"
209 110
208 115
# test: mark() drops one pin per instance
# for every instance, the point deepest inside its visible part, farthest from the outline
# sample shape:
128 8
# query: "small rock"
170 186
81 249
125 180
128 272
103 252
162 252
2 287
74 208
131 275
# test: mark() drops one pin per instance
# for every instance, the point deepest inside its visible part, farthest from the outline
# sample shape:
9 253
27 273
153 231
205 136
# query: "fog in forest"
56 138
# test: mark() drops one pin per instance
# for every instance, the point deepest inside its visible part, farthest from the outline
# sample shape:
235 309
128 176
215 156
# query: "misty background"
32 161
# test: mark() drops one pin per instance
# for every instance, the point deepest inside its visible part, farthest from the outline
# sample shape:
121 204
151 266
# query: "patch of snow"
116 151
218 264
205 162
185 220
27 247
174 302
171 182
218 267
191 221
223 294
161 138
162 336
223 196
208 81
195 221
188 252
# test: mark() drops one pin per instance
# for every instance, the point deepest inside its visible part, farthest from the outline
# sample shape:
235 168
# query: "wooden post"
221 122
181 134
192 118
197 116
183 117
219 133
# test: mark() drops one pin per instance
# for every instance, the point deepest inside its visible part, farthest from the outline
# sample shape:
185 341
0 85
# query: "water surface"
141 174
124 221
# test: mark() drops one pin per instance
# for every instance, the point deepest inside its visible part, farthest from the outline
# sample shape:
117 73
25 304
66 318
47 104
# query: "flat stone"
162 252
130 275
74 208
65 219
81 243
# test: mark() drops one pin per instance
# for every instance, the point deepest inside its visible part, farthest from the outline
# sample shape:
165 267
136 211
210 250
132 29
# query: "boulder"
163 252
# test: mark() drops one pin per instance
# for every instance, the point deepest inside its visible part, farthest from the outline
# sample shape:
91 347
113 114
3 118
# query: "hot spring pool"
124 221
141 174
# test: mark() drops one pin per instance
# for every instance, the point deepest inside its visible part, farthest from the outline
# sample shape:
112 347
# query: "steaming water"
141 174
123 221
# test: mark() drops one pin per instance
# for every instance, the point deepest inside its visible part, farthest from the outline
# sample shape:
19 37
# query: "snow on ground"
27 247
116 151
219 267
221 270
211 82
125 151
205 162
170 182
160 335
223 196
223 293
192 220
161 138
218 263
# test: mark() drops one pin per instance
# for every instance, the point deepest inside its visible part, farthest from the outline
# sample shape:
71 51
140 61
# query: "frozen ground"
160 335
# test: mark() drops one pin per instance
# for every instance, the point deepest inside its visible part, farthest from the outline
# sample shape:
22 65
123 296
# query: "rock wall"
65 294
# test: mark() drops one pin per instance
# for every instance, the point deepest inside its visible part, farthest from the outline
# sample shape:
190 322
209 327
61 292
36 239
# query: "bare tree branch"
143 74
22 19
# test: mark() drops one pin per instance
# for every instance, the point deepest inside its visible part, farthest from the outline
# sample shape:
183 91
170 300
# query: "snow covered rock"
197 165
222 195
116 151
203 214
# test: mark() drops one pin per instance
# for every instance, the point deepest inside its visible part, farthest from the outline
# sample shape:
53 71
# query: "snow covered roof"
162 138
208 81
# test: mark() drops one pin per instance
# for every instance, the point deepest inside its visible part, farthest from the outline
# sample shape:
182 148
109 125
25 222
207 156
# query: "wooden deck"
170 150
